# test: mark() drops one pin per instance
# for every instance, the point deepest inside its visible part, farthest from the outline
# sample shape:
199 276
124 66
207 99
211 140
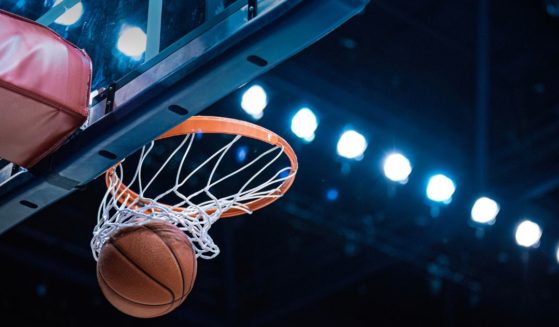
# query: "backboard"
156 61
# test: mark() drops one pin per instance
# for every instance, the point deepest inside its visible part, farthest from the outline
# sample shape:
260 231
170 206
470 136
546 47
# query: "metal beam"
155 11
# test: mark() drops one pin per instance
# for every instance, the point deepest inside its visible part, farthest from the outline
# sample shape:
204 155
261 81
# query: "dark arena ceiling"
469 89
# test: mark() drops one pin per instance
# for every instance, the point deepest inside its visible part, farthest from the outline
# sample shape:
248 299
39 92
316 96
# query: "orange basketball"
147 271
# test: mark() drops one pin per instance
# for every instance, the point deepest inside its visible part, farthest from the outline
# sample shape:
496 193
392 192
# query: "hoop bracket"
110 104
252 9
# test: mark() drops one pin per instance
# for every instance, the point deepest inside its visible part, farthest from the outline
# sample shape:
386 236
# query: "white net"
120 209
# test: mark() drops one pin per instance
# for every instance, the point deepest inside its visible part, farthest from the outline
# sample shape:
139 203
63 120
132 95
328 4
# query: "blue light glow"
304 123
352 145
528 234
397 168
284 174
254 101
241 153
332 194
440 189
484 211
132 42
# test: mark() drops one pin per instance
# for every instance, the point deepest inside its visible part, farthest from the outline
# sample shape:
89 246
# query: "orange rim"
220 125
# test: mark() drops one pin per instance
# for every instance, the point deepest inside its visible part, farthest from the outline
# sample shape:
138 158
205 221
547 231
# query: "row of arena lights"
132 42
397 168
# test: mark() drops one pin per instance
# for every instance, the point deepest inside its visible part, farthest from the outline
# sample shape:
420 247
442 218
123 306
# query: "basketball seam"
178 264
130 300
143 271
174 256
189 243
183 297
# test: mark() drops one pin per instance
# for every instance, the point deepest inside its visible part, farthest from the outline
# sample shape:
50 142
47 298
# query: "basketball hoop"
122 206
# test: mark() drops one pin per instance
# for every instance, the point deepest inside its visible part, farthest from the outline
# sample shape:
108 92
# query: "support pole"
482 94
155 11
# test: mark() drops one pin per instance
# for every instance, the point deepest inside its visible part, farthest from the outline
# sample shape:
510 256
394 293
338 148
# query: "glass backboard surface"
114 32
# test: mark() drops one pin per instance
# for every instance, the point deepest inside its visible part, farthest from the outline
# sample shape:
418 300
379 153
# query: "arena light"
440 188
332 194
304 123
254 101
528 234
352 145
241 153
70 16
557 254
484 211
132 41
397 168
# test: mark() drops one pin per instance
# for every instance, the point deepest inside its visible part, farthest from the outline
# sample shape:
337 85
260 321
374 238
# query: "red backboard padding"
44 89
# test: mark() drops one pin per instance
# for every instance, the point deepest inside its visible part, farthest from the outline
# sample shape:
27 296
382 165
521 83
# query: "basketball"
147 271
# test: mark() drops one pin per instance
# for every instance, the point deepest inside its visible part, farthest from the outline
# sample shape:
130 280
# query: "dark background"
479 101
